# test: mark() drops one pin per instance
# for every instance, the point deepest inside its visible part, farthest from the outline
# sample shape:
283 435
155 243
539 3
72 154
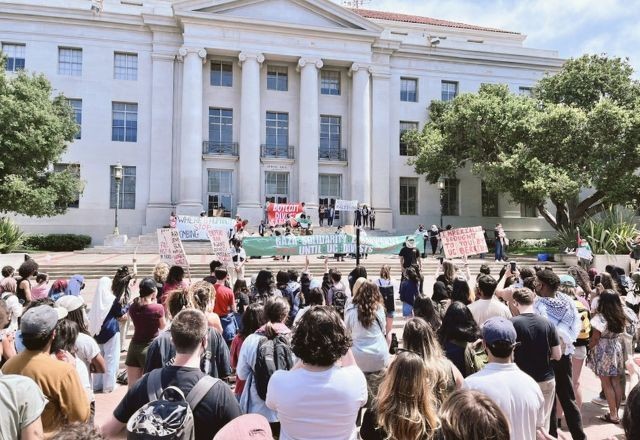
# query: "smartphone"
513 266
597 280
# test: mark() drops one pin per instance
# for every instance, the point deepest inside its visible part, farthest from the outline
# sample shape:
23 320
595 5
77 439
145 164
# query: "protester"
239 258
410 258
58 380
189 332
204 298
441 295
9 287
246 427
58 288
461 291
21 406
160 273
486 305
264 287
74 285
225 305
314 297
290 292
403 408
26 270
241 294
631 416
41 289
434 237
501 242
337 294
447 277
471 415
409 291
7 335
388 297
456 335
424 308
252 319
175 280
121 288
7 272
148 319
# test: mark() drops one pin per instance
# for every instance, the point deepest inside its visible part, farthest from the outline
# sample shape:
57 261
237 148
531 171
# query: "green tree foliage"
581 129
35 129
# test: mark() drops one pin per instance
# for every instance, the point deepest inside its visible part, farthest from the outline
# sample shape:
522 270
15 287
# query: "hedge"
57 242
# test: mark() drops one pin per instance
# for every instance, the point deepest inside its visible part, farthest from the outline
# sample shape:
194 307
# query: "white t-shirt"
370 347
13 304
317 405
483 309
517 395
86 349
21 403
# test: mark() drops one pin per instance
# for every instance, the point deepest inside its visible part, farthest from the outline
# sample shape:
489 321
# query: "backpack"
585 325
168 415
293 298
273 355
339 301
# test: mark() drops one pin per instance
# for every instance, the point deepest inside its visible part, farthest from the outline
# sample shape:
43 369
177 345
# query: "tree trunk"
548 216
586 206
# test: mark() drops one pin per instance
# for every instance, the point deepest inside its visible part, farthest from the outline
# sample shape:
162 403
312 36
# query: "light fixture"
440 184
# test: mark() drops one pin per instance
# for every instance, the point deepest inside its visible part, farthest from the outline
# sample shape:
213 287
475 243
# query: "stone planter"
568 259
600 261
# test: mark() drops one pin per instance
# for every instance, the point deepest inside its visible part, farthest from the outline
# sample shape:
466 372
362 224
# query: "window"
73 168
278 78
525 91
14 56
330 130
127 189
221 74
449 90
330 189
76 104
69 61
330 82
220 126
489 202
528 210
408 196
449 200
124 126
277 134
276 187
125 66
408 90
405 126
219 189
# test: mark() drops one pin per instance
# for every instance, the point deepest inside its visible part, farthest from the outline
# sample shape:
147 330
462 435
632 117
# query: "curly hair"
28 268
320 337
120 284
178 300
203 294
160 272
265 282
471 415
367 298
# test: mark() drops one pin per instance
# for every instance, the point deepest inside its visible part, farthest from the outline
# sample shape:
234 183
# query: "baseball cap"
41 319
568 280
70 302
498 329
147 286
246 427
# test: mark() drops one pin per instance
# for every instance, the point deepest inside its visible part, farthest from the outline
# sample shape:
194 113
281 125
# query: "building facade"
226 105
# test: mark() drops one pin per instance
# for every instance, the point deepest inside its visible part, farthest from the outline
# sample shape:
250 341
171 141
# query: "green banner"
325 244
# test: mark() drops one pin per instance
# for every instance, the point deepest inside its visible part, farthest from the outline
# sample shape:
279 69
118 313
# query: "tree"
575 143
35 129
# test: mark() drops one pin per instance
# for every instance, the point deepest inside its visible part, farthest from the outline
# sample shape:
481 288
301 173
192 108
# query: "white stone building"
230 103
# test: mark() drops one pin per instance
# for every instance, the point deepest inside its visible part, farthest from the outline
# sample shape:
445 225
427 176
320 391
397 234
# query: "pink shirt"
39 291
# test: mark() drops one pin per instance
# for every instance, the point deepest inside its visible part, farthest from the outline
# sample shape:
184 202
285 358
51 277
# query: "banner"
278 213
220 243
170 248
346 205
461 242
195 228
324 244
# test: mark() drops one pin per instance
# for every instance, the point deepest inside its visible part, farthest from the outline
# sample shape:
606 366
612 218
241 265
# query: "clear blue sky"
573 27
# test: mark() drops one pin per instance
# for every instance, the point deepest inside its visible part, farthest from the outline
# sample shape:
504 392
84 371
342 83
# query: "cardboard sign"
195 228
346 205
462 242
220 244
278 213
170 248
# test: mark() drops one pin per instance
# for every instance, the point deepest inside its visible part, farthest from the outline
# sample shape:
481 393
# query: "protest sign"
346 205
195 228
462 242
322 244
278 213
170 248
220 244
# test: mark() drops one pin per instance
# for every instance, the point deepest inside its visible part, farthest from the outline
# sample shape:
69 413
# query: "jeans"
499 250
548 389
566 396
110 350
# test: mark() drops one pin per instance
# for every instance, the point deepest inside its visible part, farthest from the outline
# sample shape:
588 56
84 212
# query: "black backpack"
339 301
273 355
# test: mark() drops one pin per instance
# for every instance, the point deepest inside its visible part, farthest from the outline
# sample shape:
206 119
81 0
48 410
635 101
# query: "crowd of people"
296 355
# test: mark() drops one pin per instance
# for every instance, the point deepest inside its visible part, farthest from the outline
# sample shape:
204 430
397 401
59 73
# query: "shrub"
10 236
57 242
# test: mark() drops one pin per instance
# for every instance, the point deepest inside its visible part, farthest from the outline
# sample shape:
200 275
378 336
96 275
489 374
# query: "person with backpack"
289 292
263 353
225 305
337 294
202 405
409 290
263 288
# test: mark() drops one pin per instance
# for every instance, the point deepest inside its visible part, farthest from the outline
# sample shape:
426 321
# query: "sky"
572 27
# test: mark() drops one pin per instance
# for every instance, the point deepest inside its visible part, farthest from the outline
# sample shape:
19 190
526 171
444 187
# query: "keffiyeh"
563 314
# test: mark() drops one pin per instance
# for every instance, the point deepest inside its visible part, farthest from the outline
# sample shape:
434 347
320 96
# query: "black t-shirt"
536 336
213 412
410 256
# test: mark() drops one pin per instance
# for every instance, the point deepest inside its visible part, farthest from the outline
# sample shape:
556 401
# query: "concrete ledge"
113 240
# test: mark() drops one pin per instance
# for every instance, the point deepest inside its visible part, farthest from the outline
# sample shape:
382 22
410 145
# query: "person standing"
410 257
501 241
365 216
331 212
225 305
486 304
21 406
357 217
26 270
372 219
434 234
261 228
322 212
239 257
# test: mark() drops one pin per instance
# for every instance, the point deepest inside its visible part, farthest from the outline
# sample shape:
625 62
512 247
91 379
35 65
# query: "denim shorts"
407 309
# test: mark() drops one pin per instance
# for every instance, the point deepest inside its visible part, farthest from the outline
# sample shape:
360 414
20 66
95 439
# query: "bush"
10 236
57 242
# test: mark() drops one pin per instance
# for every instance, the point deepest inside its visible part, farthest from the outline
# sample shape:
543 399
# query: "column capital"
360 67
309 61
184 51
244 56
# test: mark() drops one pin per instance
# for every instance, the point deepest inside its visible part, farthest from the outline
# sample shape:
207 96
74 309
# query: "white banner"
170 248
220 244
461 242
195 228
346 205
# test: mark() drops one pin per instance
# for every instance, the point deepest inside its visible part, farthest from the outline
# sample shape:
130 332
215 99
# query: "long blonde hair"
367 298
405 402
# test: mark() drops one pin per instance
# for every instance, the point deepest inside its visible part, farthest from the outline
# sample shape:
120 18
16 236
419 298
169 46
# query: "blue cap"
498 329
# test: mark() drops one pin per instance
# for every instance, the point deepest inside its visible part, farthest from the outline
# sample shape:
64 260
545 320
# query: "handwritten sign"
461 242
346 205
170 248
220 244
279 213
195 228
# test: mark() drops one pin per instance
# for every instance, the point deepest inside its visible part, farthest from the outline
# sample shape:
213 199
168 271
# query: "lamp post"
117 175
441 189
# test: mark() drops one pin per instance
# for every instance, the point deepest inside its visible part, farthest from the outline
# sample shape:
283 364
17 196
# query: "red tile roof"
392 16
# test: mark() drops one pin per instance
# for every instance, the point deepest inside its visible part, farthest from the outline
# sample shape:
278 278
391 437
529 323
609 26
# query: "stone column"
309 135
190 199
160 157
380 141
360 148
249 203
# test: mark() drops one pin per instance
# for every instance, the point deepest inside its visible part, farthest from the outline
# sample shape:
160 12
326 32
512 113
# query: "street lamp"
441 186
117 175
